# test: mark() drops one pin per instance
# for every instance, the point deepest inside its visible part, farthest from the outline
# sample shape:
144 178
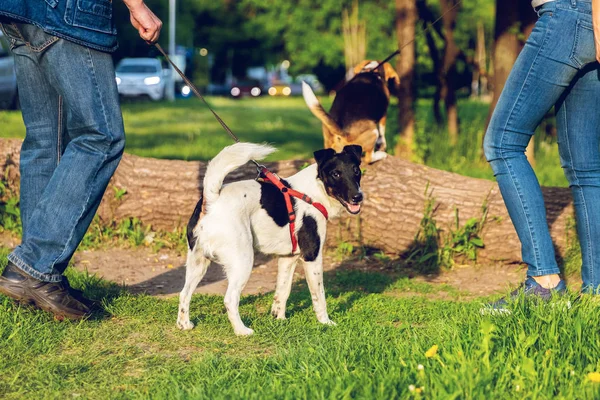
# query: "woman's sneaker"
530 289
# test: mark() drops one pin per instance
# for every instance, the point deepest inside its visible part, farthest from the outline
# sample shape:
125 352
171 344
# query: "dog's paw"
245 331
277 313
185 325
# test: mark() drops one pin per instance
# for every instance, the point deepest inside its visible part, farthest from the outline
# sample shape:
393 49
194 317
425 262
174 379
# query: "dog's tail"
314 105
230 158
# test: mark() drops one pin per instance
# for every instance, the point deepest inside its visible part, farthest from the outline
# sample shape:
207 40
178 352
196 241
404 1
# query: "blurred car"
142 77
249 87
279 88
9 97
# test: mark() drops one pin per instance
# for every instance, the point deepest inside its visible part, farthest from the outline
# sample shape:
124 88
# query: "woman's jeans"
557 68
74 141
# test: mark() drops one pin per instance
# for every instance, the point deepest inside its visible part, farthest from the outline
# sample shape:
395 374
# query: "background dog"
231 221
358 112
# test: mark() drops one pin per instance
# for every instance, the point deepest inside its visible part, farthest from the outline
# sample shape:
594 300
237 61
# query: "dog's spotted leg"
195 269
285 277
314 277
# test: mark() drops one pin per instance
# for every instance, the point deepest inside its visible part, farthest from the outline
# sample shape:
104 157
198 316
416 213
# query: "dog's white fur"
235 225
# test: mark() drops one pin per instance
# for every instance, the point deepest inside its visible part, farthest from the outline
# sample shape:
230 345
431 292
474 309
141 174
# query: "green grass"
187 130
385 327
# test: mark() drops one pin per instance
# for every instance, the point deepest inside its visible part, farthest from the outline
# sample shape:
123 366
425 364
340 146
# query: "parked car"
279 88
142 77
8 80
249 87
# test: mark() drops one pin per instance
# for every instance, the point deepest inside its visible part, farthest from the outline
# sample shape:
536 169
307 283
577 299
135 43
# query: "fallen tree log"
163 193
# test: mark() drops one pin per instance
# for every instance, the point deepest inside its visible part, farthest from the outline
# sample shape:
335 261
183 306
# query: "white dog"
231 221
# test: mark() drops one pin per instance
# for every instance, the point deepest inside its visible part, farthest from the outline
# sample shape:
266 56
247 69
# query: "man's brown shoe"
53 297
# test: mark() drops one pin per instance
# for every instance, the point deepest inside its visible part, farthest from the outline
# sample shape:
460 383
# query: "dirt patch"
163 274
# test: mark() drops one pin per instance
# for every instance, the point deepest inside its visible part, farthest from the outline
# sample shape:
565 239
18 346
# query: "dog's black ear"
354 149
323 155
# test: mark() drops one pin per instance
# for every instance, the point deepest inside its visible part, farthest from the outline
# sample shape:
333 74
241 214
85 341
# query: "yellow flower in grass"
432 351
594 377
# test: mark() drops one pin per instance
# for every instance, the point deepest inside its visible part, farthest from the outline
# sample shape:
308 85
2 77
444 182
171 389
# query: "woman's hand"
144 20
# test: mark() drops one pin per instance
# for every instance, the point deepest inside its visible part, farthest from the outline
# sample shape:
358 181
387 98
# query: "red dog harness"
287 192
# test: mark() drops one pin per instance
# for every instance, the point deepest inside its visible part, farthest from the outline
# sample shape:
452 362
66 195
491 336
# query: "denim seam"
583 203
32 272
512 175
89 192
37 49
59 133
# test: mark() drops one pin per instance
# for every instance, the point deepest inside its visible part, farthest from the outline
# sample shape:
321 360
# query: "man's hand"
596 23
144 20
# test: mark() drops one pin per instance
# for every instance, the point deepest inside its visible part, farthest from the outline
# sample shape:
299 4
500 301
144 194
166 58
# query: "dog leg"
314 277
285 277
238 274
381 144
195 269
378 156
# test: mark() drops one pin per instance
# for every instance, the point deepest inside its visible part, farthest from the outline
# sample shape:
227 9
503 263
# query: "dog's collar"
288 192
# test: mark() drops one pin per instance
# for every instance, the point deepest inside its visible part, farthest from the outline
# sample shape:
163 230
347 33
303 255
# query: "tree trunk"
427 17
514 18
163 193
406 18
448 74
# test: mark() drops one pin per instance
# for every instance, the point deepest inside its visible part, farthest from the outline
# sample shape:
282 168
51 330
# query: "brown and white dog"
358 112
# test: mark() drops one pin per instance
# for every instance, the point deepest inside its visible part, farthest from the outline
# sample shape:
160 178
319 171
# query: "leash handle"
197 93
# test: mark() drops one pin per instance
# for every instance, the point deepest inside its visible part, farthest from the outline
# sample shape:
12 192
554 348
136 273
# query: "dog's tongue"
354 207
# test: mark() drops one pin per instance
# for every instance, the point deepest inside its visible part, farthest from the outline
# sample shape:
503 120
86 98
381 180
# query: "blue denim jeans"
557 68
74 141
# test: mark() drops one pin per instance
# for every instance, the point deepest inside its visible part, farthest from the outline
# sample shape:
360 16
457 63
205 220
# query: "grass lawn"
382 347
187 130
395 338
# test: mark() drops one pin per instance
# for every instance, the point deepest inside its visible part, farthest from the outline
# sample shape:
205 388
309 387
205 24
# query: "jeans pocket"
95 15
29 35
584 49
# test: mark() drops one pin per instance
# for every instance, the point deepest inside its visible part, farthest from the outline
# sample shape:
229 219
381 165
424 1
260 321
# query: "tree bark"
163 193
406 18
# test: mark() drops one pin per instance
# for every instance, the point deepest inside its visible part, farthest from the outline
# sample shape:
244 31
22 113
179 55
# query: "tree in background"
448 74
406 18
355 39
514 22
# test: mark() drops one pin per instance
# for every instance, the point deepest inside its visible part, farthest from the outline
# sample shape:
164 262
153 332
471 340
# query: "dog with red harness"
358 112
283 217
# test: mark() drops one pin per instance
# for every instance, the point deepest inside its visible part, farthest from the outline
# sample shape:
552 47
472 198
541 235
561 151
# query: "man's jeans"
74 141
557 68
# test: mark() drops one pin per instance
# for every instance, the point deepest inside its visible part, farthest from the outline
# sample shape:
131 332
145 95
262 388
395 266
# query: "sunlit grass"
383 347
